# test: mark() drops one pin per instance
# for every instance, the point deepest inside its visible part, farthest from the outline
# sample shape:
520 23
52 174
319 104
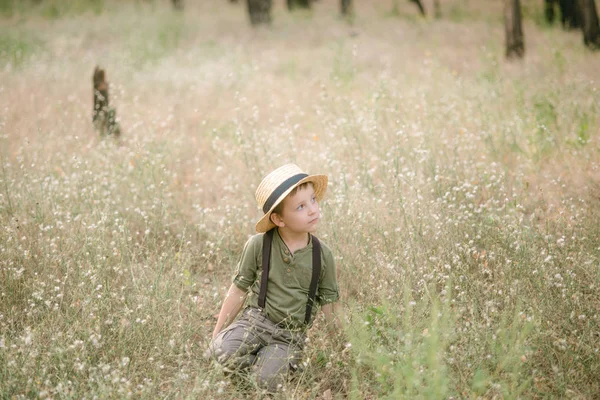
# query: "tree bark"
259 11
590 25
346 7
570 14
549 10
437 9
420 5
515 47
291 4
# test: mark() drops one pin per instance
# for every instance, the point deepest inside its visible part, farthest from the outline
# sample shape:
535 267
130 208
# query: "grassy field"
463 206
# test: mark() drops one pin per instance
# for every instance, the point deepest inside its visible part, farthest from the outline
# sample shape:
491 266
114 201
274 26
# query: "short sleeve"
328 286
247 267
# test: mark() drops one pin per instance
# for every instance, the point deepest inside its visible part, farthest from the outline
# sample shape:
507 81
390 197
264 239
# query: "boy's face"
300 212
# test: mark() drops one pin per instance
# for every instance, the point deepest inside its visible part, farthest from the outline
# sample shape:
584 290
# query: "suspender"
266 262
316 272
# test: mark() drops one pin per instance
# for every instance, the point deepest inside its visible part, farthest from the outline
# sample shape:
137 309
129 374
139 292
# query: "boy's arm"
231 307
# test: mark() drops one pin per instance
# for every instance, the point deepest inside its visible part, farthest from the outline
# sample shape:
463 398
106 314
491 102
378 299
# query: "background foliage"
462 209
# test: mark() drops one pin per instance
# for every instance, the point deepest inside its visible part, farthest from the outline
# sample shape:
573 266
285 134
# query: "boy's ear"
276 219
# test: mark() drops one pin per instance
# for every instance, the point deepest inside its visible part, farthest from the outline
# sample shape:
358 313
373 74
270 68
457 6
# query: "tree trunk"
104 118
420 5
437 9
549 10
291 4
570 14
515 47
260 11
346 7
590 25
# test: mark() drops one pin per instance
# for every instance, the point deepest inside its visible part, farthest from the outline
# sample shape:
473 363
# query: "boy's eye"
300 207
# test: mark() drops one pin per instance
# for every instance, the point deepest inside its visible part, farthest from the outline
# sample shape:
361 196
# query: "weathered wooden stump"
104 117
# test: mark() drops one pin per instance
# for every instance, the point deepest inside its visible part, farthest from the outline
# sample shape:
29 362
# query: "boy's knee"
222 354
219 350
270 381
271 375
229 355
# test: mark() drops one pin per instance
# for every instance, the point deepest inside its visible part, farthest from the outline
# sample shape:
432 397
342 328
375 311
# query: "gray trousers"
253 341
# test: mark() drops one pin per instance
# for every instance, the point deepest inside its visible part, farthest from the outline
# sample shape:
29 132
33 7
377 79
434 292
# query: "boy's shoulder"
255 241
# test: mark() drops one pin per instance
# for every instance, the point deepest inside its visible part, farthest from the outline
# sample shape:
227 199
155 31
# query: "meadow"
463 205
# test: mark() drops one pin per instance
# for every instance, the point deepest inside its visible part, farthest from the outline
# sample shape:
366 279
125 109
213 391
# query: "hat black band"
288 183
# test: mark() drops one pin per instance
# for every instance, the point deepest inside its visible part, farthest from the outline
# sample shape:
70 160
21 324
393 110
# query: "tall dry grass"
462 209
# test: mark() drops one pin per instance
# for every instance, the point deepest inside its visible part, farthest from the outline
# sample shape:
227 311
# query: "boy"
282 278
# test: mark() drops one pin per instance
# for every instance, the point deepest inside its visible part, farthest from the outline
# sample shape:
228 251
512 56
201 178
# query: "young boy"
279 276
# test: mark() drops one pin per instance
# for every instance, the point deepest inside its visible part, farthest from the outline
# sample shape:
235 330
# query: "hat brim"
319 185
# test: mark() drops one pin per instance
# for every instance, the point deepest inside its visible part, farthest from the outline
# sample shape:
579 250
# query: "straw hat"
278 184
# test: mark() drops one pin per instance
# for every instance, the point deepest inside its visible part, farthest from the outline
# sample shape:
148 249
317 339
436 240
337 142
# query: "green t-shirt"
289 280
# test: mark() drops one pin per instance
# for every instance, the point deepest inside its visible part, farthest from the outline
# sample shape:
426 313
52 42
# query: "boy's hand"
231 307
